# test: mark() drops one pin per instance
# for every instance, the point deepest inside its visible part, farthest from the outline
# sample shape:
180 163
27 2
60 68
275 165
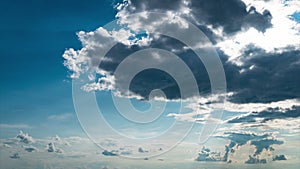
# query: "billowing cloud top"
258 46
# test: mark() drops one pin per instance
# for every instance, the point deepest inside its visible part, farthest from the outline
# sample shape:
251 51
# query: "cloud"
206 155
232 16
283 33
15 126
271 77
60 117
268 114
15 156
5 145
279 158
51 148
24 137
264 144
109 153
254 74
260 141
201 110
255 160
31 149
141 150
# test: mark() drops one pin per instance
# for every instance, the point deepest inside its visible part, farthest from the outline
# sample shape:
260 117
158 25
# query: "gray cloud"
273 77
109 153
255 160
207 155
262 78
260 145
145 5
141 150
232 15
31 149
279 157
15 156
269 114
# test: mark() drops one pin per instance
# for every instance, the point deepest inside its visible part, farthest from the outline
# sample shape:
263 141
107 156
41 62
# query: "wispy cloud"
15 126
60 117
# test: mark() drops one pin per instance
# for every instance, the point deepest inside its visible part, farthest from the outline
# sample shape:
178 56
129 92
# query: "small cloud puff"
279 157
207 155
141 150
110 153
15 156
51 148
24 137
31 149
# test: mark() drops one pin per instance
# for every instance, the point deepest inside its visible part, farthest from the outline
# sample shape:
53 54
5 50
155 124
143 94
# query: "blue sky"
35 83
251 74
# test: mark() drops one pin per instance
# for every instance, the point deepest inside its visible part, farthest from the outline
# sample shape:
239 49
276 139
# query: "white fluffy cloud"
207 155
285 32
51 148
24 137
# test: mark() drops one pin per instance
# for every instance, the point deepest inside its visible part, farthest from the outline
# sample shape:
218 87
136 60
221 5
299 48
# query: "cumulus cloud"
24 137
51 148
258 44
207 155
231 16
283 33
260 145
255 160
253 71
260 141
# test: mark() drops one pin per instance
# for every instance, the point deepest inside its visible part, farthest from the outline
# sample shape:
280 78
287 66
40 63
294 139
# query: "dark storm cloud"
142 5
268 114
232 15
146 81
262 78
274 77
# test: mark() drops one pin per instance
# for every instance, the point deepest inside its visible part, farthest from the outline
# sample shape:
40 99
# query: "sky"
150 84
